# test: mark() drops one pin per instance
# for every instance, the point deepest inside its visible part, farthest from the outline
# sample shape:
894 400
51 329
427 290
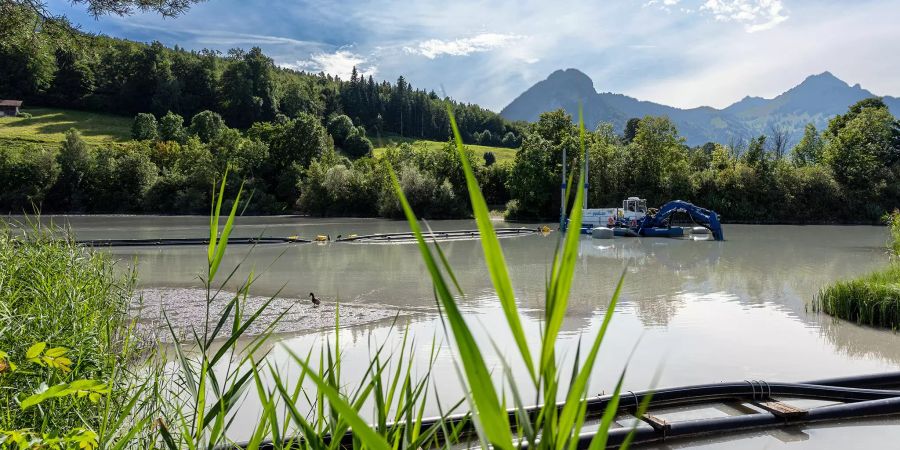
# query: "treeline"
110 75
287 165
849 172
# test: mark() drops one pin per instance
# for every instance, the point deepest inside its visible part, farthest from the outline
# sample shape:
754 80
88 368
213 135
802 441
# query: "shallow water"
692 311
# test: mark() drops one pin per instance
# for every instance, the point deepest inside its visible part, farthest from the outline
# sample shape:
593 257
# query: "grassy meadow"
50 125
502 154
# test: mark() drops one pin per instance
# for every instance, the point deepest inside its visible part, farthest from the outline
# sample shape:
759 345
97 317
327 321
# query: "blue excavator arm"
701 216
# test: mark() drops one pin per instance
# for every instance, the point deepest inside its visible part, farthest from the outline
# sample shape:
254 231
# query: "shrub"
171 127
26 177
357 145
74 162
144 127
893 222
510 140
207 126
340 128
489 159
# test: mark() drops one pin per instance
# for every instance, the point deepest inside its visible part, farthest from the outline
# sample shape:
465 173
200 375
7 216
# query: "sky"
683 53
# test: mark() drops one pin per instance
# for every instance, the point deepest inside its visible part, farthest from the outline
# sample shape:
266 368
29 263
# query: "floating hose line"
369 238
170 242
857 397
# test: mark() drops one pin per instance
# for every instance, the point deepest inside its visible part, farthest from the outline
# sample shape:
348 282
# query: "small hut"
10 108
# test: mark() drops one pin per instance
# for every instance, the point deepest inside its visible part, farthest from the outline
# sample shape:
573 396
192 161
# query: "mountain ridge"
816 99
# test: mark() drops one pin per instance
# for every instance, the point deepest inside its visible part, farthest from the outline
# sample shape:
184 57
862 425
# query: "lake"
691 311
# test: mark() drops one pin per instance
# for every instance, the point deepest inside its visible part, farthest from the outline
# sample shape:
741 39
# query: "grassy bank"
50 125
62 339
873 299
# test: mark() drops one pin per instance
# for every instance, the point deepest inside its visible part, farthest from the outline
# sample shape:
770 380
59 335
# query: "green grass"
381 144
871 300
63 330
49 125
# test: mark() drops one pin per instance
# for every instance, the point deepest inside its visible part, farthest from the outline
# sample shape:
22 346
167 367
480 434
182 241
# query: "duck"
316 302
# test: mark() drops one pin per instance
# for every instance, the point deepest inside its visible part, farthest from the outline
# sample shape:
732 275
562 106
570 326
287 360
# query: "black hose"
869 402
692 428
185 241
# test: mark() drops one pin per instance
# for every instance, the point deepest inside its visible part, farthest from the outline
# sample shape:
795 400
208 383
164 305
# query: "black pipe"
693 428
836 389
432 234
152 242
185 241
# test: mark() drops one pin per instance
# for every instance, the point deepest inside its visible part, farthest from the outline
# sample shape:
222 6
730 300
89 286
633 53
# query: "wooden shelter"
10 108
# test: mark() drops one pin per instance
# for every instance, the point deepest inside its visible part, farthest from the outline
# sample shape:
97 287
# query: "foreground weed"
552 425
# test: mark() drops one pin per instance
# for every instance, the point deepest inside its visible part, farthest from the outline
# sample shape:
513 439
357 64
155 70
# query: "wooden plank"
660 425
781 409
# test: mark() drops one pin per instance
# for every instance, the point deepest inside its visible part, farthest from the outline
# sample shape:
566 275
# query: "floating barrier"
452 235
756 404
188 241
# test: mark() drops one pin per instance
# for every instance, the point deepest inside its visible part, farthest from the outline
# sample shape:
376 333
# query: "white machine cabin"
633 208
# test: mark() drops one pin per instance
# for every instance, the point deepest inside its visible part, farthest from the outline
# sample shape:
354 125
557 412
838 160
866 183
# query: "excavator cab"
635 205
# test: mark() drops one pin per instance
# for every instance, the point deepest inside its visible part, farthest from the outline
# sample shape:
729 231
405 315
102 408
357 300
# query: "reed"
873 299
870 300
65 341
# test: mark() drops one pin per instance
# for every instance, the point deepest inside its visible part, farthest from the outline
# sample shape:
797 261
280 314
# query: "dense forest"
302 143
98 73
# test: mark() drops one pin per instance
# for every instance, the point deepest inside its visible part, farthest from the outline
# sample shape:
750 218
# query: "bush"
510 140
493 183
74 162
357 145
893 222
171 127
144 127
207 126
26 176
489 159
340 128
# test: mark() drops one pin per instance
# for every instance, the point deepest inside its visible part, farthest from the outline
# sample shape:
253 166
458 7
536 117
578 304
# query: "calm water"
693 311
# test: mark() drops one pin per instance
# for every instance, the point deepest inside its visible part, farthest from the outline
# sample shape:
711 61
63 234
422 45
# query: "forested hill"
815 100
109 75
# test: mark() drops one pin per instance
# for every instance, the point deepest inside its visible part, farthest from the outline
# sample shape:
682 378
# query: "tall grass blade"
494 419
347 412
493 253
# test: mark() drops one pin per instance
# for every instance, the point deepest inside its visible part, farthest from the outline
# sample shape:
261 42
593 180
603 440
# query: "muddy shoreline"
185 309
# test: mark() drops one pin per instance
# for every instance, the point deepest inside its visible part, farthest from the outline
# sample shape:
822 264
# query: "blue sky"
684 53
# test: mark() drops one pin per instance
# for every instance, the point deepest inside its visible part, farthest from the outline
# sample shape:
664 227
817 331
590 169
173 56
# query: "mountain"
817 99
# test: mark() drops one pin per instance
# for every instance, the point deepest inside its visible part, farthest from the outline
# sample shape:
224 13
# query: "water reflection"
750 291
702 311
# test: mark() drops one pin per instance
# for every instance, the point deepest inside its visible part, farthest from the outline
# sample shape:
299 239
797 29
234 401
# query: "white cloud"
756 15
339 63
663 3
432 48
